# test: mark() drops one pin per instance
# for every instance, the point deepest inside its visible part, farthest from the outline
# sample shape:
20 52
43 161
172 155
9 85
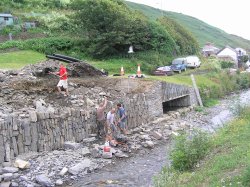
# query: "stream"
139 170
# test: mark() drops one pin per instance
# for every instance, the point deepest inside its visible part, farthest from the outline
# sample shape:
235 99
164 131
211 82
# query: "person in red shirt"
63 79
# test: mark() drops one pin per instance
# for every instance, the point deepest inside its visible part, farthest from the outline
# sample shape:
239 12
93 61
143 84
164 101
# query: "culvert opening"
175 104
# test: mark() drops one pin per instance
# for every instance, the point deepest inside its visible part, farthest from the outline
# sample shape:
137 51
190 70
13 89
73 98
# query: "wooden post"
196 90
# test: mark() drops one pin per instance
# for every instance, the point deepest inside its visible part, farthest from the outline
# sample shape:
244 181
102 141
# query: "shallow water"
133 172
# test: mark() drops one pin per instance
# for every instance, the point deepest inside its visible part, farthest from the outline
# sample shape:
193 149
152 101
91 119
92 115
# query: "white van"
193 61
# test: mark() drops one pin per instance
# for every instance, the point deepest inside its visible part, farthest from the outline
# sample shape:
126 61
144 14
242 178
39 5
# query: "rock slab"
76 169
43 180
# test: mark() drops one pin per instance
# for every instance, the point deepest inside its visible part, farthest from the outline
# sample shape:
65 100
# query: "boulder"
156 135
5 184
149 144
43 180
96 153
120 154
71 145
14 184
21 164
59 182
63 171
10 170
76 169
7 177
85 151
107 155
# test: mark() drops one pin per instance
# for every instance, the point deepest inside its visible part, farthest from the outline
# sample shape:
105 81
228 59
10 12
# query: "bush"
226 64
189 150
111 27
43 45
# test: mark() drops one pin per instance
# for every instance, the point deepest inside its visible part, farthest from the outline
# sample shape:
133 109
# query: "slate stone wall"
35 131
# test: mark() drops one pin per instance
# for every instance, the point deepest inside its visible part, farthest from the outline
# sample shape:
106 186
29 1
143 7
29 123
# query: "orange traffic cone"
139 70
122 71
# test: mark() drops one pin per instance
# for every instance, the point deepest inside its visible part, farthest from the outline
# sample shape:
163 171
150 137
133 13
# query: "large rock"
85 151
96 152
10 170
63 171
14 184
76 169
59 182
7 177
149 144
21 164
5 184
107 155
71 145
43 180
156 135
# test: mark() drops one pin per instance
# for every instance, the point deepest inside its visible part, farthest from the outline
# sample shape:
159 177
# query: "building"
228 54
209 50
6 19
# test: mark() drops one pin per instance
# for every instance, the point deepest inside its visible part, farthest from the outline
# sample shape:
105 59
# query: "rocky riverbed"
138 171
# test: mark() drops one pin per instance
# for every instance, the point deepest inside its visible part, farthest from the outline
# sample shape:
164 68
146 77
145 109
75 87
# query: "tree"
185 41
110 27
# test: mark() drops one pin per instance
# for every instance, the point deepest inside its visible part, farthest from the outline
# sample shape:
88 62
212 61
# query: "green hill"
201 30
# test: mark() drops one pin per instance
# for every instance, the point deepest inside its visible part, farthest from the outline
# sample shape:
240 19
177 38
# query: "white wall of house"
228 52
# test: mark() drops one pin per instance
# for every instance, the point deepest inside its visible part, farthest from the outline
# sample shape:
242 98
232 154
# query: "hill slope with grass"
201 30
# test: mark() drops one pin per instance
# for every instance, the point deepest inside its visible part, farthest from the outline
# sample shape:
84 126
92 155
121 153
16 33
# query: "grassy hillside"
201 30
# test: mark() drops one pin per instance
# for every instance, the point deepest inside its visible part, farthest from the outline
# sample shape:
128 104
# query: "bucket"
106 147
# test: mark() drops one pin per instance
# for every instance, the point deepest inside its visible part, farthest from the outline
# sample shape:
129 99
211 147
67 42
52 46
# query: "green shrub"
43 45
189 150
226 64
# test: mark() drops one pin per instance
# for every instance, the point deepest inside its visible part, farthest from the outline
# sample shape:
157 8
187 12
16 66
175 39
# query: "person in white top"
110 121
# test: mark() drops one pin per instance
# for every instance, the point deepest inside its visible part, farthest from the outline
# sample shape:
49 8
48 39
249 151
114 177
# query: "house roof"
225 48
209 47
6 15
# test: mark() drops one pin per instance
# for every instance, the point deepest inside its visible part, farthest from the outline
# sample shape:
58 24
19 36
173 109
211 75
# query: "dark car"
179 64
163 71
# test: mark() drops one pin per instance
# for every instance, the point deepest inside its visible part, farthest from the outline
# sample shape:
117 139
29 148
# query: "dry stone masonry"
34 118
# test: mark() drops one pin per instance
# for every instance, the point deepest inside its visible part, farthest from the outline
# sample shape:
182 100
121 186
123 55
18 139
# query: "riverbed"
139 171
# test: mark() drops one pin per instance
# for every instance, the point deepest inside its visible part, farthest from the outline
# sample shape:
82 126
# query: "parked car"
164 70
179 64
193 62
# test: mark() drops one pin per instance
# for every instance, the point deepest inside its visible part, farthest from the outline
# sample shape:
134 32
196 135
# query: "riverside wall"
35 131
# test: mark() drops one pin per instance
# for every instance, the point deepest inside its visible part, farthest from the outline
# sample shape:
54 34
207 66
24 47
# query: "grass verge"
19 59
227 164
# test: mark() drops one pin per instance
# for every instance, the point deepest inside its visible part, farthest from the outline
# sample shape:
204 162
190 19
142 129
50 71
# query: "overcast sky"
229 15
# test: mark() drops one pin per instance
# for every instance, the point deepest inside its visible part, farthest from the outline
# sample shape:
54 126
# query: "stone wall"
43 131
37 131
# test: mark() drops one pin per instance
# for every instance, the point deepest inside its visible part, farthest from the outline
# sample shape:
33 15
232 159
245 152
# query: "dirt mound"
82 69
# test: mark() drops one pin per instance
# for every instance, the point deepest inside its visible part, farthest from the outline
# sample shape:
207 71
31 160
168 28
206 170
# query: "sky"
229 15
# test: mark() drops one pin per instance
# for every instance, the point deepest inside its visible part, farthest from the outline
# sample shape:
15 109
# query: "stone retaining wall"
43 131
34 131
